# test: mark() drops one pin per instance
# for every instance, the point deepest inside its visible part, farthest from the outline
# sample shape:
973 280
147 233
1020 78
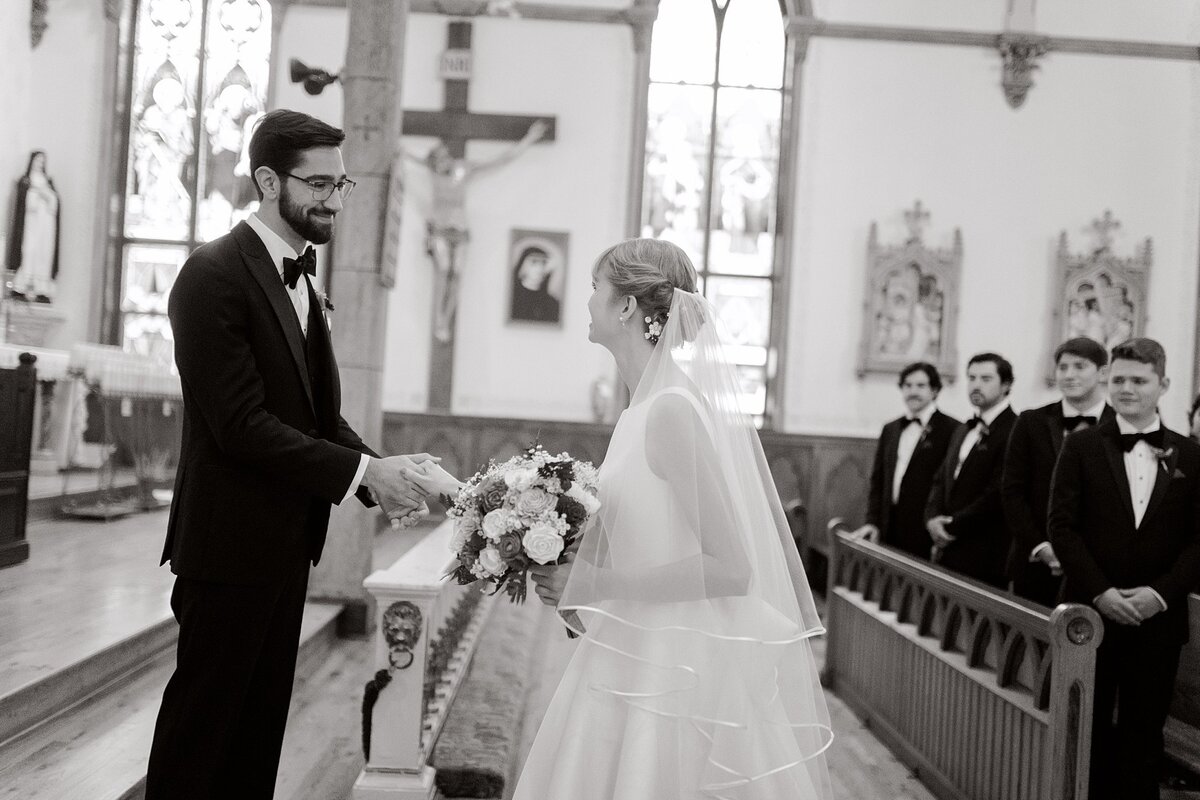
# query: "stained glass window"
712 160
199 83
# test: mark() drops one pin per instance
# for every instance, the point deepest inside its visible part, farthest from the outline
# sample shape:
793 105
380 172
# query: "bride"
693 678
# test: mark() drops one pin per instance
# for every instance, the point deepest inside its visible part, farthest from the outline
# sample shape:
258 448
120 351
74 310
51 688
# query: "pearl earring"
622 321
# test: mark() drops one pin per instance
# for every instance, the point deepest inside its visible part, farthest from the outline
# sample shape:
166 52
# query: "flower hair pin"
654 329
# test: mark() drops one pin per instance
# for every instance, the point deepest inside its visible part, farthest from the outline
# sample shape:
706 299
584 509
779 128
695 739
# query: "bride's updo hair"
650 270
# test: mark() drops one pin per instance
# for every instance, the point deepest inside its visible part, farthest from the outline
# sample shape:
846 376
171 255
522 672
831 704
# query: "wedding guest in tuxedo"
1080 368
909 452
1125 525
964 515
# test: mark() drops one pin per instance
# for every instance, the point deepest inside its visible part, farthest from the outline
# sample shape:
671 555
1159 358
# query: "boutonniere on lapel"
1163 454
984 432
922 439
323 299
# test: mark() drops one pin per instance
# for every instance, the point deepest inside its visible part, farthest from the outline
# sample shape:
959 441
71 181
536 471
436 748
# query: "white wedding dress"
693 678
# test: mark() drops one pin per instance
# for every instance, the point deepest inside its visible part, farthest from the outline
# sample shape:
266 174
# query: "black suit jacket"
973 500
1092 529
1033 447
902 525
265 450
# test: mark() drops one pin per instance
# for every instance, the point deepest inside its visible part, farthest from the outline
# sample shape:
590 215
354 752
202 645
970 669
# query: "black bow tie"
1071 423
1152 438
293 267
973 421
913 421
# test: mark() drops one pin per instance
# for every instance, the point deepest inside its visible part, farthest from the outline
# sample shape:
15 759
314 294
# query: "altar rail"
426 629
983 695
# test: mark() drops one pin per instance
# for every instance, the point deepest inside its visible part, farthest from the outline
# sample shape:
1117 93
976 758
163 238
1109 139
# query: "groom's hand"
385 479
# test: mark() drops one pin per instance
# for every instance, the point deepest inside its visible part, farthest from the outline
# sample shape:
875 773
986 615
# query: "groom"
265 453
1124 523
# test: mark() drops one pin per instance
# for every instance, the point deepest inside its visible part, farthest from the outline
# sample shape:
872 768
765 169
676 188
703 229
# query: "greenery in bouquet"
528 510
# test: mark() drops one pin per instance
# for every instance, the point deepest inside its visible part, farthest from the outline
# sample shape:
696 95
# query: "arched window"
198 83
712 160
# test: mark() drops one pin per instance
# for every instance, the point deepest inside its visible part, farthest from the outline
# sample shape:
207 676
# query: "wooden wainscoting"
818 477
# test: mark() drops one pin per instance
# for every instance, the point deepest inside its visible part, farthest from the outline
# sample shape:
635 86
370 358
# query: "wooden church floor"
90 586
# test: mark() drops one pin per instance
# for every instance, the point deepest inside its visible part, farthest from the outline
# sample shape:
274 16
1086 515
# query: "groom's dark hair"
281 137
1144 351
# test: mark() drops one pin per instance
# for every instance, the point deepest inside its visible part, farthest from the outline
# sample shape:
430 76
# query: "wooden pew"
426 630
981 694
17 391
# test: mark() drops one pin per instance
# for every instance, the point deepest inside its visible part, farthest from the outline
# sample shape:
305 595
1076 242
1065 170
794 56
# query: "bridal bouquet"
526 511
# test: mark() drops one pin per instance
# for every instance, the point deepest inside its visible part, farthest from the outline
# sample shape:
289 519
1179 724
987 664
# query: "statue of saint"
446 222
33 239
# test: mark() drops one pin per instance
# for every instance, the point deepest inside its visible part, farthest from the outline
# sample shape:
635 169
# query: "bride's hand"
433 480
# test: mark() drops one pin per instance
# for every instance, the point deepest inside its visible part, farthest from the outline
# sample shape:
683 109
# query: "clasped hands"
1129 606
401 498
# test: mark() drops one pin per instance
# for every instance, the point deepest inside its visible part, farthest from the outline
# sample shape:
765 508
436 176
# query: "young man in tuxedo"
909 452
964 515
1080 368
1124 523
265 453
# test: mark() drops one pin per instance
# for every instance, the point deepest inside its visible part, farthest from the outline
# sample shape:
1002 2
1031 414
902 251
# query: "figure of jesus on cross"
446 231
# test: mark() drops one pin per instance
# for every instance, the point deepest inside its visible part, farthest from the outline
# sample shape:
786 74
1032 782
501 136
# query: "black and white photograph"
600 400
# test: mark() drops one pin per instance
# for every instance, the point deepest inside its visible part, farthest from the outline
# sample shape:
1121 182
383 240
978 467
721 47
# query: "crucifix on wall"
446 230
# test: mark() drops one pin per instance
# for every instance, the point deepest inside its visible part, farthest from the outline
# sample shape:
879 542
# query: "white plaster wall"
52 99
581 74
886 123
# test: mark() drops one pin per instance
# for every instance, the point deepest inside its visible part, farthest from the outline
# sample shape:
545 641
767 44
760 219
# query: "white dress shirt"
278 249
973 435
1141 467
909 437
1096 411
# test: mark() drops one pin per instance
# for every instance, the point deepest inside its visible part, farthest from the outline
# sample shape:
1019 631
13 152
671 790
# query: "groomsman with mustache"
964 515
909 452
1080 368
1125 523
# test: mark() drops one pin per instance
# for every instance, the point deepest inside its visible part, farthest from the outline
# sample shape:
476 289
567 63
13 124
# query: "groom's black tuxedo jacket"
902 524
265 450
973 500
1033 447
1092 529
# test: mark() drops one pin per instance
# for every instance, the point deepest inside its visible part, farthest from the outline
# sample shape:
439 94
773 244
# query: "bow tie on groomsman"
1152 438
913 421
293 267
983 427
1071 423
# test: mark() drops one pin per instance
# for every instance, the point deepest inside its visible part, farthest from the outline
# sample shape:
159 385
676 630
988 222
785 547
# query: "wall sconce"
314 79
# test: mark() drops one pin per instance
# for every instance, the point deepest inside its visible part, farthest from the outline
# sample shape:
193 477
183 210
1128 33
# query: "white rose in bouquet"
534 502
490 560
542 542
496 523
521 479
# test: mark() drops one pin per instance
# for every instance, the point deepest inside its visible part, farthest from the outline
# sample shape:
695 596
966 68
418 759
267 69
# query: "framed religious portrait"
910 306
537 270
1098 294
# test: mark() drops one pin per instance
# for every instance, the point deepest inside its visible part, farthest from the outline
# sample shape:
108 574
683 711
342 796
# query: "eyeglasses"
323 190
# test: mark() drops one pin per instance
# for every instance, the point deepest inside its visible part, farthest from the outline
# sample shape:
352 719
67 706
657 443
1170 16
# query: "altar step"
84 732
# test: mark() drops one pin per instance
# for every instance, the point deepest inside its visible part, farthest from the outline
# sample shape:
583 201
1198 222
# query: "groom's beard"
314 223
